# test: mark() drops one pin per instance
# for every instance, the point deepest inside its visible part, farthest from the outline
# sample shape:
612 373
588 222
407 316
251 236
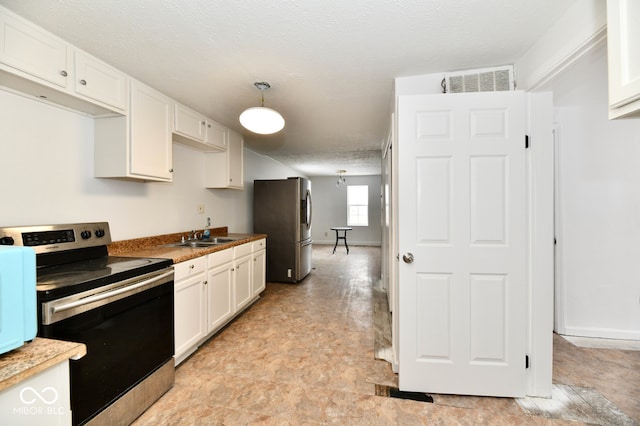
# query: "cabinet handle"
209 125
203 123
205 282
63 73
170 170
83 82
192 266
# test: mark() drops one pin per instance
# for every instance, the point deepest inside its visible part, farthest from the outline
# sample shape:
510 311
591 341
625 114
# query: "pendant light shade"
262 120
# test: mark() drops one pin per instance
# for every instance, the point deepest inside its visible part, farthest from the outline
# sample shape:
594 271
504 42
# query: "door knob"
407 258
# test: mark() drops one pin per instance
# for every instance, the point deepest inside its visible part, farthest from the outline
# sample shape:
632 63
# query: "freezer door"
303 259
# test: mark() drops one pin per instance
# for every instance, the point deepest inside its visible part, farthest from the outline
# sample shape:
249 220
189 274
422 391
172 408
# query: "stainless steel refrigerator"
282 210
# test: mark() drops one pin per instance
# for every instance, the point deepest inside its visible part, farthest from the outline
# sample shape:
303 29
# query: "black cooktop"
69 278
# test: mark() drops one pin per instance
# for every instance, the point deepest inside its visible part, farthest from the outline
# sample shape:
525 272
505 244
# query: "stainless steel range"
121 308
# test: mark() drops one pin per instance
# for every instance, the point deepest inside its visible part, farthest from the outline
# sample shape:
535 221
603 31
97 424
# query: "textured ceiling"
330 63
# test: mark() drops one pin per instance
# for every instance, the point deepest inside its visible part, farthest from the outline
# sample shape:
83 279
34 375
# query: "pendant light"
262 120
341 178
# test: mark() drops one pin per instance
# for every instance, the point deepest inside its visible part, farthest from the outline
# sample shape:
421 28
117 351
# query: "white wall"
330 209
568 39
598 162
46 177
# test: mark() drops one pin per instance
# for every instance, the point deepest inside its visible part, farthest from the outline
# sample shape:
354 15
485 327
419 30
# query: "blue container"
18 315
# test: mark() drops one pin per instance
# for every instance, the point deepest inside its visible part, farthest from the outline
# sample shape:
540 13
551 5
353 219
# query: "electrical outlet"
201 208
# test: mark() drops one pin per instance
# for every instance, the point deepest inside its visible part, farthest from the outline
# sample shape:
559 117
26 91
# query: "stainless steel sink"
218 240
193 244
214 241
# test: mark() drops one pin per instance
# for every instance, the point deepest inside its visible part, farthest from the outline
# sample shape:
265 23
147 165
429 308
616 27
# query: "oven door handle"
109 294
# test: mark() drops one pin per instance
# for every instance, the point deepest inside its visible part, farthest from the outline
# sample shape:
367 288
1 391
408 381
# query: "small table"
344 237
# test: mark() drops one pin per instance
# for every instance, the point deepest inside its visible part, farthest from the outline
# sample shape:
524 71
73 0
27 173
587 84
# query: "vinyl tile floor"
303 354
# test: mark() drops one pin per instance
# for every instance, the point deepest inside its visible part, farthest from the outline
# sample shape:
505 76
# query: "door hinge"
526 141
526 361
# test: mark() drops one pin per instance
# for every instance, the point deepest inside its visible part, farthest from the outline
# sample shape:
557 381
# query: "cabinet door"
217 135
236 161
258 274
33 51
98 81
623 37
190 315
150 144
189 123
242 281
219 296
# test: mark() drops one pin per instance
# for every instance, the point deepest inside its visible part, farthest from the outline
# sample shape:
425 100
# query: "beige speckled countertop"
34 357
156 246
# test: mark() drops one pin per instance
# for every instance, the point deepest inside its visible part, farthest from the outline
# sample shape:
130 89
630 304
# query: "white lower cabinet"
259 266
220 289
189 306
210 291
242 275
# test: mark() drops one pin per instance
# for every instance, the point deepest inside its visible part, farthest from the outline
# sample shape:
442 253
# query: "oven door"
128 330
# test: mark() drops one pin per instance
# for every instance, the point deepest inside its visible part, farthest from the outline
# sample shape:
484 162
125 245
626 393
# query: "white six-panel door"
462 218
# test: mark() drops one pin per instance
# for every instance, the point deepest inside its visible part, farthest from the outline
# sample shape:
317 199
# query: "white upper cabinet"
137 146
189 123
32 50
98 81
36 62
217 136
623 43
151 149
226 169
194 129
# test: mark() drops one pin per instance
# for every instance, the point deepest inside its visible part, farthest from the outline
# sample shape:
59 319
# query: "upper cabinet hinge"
526 141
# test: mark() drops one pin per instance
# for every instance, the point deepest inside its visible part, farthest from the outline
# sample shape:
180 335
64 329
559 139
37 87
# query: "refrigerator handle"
309 209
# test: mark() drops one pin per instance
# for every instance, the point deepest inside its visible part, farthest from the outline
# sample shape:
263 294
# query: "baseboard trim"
603 333
351 243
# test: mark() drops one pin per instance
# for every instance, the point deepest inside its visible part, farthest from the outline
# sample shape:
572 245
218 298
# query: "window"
357 205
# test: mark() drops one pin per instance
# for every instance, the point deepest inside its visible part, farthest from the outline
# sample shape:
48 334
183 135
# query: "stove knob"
85 235
6 241
99 233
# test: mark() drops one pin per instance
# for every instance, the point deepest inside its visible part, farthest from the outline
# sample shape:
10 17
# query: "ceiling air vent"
479 80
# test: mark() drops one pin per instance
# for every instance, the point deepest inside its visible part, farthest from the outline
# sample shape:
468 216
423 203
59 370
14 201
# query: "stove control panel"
52 238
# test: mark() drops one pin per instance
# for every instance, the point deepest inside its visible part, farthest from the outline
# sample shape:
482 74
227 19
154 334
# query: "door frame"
540 164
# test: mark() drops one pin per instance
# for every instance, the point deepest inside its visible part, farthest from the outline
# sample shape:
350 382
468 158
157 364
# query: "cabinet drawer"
190 267
220 257
259 245
242 250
